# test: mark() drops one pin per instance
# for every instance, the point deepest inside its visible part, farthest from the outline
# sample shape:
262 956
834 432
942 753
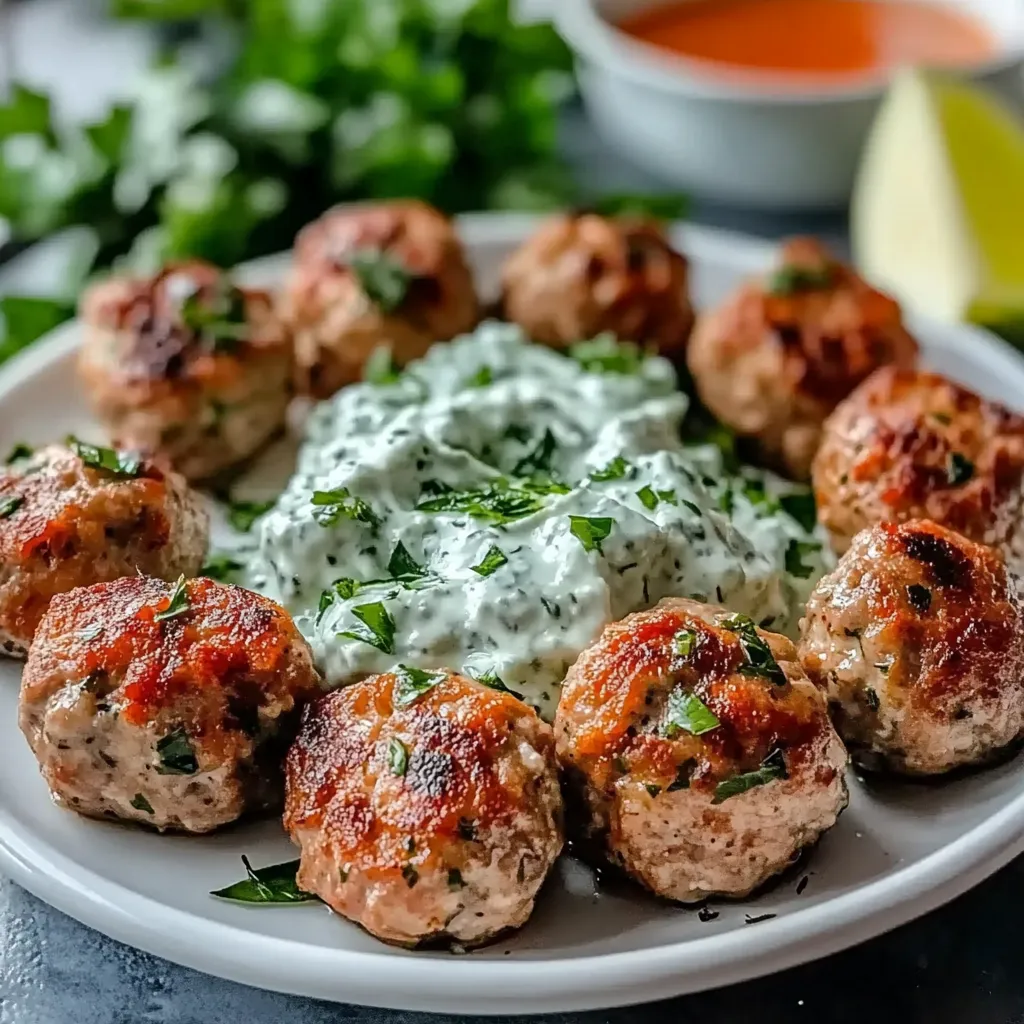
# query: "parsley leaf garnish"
617 469
648 498
218 321
221 567
176 754
413 683
329 507
178 603
380 367
686 712
140 803
498 503
480 379
377 629
684 643
494 682
760 660
384 279
402 563
788 280
539 459
794 558
273 884
772 767
959 469
398 757
8 506
492 562
242 515
605 354
18 452
591 531
343 588
107 460
801 507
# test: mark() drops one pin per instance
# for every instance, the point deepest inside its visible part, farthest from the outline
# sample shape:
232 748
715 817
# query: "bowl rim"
599 41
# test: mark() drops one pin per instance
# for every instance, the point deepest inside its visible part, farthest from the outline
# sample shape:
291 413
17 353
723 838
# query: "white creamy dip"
523 502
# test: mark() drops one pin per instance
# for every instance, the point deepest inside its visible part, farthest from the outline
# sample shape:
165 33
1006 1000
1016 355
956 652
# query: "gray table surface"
959 965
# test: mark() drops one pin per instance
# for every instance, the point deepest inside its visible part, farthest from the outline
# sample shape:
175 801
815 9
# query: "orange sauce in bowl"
815 37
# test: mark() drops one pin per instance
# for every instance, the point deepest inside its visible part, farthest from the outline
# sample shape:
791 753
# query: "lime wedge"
938 209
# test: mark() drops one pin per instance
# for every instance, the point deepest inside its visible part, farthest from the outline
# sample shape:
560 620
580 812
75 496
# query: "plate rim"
388 978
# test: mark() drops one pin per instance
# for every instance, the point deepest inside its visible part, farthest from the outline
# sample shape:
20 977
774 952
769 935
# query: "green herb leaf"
684 643
499 503
10 505
28 318
617 469
107 460
383 278
683 775
539 459
402 563
605 354
242 515
788 280
959 469
492 562
177 757
380 367
178 604
668 496
217 319
772 767
455 881
760 660
686 712
801 507
329 507
413 683
273 884
18 452
410 874
221 567
140 803
647 498
795 553
667 206
378 627
398 757
481 379
919 597
590 531
494 682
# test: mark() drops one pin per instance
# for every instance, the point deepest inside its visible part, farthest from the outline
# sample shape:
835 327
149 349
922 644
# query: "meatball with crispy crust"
582 274
73 517
913 445
702 755
917 638
386 275
186 365
426 805
775 359
166 704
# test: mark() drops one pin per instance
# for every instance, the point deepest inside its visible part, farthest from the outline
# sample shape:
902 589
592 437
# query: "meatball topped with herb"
166 704
917 638
912 445
583 274
701 755
779 354
389 276
187 365
426 805
77 515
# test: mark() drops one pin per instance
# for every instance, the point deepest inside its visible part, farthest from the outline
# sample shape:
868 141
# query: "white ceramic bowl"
750 139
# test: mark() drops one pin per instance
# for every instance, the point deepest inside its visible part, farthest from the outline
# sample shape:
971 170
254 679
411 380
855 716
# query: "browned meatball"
581 275
426 805
917 638
392 274
167 704
911 445
774 360
702 752
70 518
186 365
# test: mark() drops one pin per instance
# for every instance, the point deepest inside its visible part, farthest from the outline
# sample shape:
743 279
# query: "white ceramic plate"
899 850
